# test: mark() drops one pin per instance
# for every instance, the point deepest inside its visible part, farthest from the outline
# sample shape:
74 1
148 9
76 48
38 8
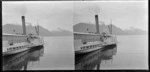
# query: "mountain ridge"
87 28
17 29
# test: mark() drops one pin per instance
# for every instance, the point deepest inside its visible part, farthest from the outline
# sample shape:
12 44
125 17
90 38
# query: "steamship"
14 43
88 42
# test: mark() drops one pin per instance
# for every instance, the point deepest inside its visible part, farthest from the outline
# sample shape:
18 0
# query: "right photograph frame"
110 35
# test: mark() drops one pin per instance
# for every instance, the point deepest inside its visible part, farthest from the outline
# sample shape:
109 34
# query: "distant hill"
135 31
13 29
87 28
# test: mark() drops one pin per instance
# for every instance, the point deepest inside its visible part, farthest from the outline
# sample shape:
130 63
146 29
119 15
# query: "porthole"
88 46
91 46
10 48
81 48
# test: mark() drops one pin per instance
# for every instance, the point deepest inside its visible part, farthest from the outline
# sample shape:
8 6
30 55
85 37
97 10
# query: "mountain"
17 29
61 32
135 31
87 28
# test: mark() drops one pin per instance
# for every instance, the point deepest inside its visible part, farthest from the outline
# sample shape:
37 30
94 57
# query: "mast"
111 25
37 27
36 30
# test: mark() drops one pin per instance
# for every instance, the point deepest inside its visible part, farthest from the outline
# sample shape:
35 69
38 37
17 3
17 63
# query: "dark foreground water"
131 52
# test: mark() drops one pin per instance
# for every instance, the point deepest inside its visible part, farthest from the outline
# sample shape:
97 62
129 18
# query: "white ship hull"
91 49
86 51
14 52
17 48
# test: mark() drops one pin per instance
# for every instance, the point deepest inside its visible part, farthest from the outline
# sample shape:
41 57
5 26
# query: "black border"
120 70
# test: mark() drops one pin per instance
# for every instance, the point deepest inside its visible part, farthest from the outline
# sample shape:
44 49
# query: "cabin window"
13 48
81 48
10 48
95 45
87 47
91 46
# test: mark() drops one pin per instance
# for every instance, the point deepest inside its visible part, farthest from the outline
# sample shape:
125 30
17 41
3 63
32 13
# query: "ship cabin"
10 39
83 38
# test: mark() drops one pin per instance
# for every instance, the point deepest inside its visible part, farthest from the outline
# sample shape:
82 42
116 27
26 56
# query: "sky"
50 15
54 15
124 15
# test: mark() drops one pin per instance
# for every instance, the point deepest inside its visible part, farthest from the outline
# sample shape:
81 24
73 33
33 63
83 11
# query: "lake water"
57 54
131 52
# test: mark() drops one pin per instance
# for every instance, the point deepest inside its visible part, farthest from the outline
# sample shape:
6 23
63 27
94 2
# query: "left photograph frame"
37 35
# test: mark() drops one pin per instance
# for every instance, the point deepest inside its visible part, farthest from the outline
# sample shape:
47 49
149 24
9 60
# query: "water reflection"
20 61
93 60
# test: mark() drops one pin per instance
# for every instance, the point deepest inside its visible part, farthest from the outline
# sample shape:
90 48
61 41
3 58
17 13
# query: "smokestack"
97 24
23 25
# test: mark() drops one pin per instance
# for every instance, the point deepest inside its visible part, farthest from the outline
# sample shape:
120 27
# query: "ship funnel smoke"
97 24
23 25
